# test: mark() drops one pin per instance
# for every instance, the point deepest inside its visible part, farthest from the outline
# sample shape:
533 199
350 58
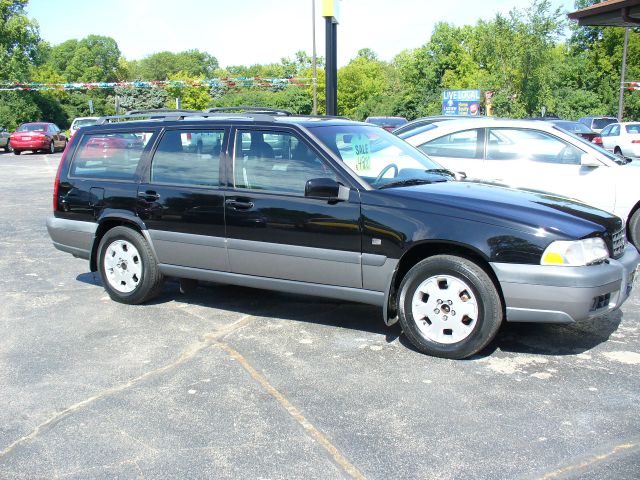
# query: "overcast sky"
245 32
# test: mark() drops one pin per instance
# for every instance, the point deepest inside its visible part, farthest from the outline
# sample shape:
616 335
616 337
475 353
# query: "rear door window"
109 155
188 157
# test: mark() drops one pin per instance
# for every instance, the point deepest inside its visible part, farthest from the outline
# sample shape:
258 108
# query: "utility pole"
315 73
330 13
623 74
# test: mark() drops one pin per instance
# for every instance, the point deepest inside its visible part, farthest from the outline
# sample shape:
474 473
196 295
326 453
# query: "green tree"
93 59
141 98
19 41
164 65
191 97
363 78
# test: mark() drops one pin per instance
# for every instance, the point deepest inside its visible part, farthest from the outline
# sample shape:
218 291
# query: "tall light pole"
623 74
330 13
315 73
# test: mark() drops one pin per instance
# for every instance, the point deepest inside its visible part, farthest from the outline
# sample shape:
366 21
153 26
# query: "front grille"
619 242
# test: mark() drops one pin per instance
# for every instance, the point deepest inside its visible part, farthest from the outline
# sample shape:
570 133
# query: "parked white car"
535 155
622 138
81 122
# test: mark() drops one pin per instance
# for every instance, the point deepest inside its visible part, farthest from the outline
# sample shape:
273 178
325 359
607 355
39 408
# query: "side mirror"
326 188
588 160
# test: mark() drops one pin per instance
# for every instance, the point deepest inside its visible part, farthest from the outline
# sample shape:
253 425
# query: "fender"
110 217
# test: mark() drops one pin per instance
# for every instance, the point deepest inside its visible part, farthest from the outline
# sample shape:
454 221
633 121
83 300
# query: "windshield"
84 122
377 156
32 127
597 148
600 123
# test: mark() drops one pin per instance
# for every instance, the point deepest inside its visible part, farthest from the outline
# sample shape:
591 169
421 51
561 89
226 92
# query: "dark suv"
333 208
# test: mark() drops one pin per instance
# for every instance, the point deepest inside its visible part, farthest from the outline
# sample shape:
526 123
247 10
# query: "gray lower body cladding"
72 236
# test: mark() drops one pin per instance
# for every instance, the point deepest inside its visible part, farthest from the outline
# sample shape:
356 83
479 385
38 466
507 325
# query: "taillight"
597 140
635 141
189 136
56 182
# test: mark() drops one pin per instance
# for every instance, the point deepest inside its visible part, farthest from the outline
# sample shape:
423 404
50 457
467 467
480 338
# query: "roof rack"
169 114
245 108
160 110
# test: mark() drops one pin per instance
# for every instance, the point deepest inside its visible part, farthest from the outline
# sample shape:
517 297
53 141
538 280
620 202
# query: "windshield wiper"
406 183
441 171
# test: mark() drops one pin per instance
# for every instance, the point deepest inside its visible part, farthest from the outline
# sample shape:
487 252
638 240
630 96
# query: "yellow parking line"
588 462
340 459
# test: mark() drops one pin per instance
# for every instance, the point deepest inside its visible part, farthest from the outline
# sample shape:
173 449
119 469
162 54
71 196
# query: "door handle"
238 204
149 195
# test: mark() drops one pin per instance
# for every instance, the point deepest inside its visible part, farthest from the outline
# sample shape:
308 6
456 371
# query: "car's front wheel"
634 229
128 267
52 147
449 307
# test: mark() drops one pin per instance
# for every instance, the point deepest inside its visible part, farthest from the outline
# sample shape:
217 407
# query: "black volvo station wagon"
335 208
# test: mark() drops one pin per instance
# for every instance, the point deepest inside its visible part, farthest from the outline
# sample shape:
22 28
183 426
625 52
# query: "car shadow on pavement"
554 339
280 305
531 338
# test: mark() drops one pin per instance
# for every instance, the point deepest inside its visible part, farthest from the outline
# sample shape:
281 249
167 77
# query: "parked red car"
37 136
105 145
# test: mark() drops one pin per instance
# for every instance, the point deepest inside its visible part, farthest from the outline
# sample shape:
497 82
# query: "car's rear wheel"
449 307
16 152
127 266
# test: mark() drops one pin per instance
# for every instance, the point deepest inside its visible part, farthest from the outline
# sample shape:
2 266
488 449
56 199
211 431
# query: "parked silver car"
4 140
535 155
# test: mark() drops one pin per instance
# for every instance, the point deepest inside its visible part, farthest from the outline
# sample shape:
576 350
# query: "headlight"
575 253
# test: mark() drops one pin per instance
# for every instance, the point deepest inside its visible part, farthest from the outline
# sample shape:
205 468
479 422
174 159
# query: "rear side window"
188 157
634 128
112 156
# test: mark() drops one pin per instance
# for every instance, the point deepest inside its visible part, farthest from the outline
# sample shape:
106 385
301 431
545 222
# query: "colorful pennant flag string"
210 83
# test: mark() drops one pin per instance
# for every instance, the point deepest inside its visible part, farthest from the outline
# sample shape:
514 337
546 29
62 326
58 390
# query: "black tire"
150 281
16 152
487 301
634 229
617 151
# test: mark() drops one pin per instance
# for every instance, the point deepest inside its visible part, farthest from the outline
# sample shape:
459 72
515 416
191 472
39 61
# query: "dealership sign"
461 102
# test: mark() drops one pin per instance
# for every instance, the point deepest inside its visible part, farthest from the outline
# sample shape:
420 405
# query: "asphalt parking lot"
230 382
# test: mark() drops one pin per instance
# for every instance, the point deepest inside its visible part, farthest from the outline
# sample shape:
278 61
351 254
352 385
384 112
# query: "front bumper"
548 294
